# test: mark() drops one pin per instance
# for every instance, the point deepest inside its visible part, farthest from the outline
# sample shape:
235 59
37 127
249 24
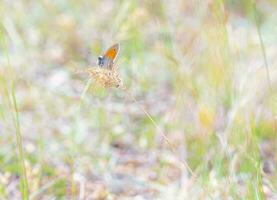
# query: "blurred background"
204 70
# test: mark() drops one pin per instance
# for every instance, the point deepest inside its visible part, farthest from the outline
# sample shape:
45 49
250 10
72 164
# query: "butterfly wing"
112 52
107 60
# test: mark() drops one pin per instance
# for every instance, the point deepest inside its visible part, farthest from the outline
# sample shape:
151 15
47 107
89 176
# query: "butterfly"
107 59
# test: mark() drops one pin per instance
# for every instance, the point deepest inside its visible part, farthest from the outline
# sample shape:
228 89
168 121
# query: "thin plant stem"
184 163
73 185
16 122
262 44
46 186
264 57
85 90
159 129
24 182
260 193
73 151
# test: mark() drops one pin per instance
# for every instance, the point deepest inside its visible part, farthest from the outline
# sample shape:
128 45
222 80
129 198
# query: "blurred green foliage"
196 66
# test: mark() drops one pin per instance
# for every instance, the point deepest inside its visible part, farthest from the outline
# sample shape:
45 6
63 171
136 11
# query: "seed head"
105 77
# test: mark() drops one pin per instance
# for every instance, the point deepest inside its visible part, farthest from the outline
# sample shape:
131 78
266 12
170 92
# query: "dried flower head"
105 77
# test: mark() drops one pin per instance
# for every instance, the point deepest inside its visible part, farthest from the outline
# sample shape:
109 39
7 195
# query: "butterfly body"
107 59
103 62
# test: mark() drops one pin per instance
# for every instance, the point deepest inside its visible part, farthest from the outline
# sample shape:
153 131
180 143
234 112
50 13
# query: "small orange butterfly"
107 60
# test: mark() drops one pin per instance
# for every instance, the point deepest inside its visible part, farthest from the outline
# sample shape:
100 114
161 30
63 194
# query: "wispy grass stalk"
73 150
264 55
262 44
16 122
167 140
263 50
110 78
10 96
